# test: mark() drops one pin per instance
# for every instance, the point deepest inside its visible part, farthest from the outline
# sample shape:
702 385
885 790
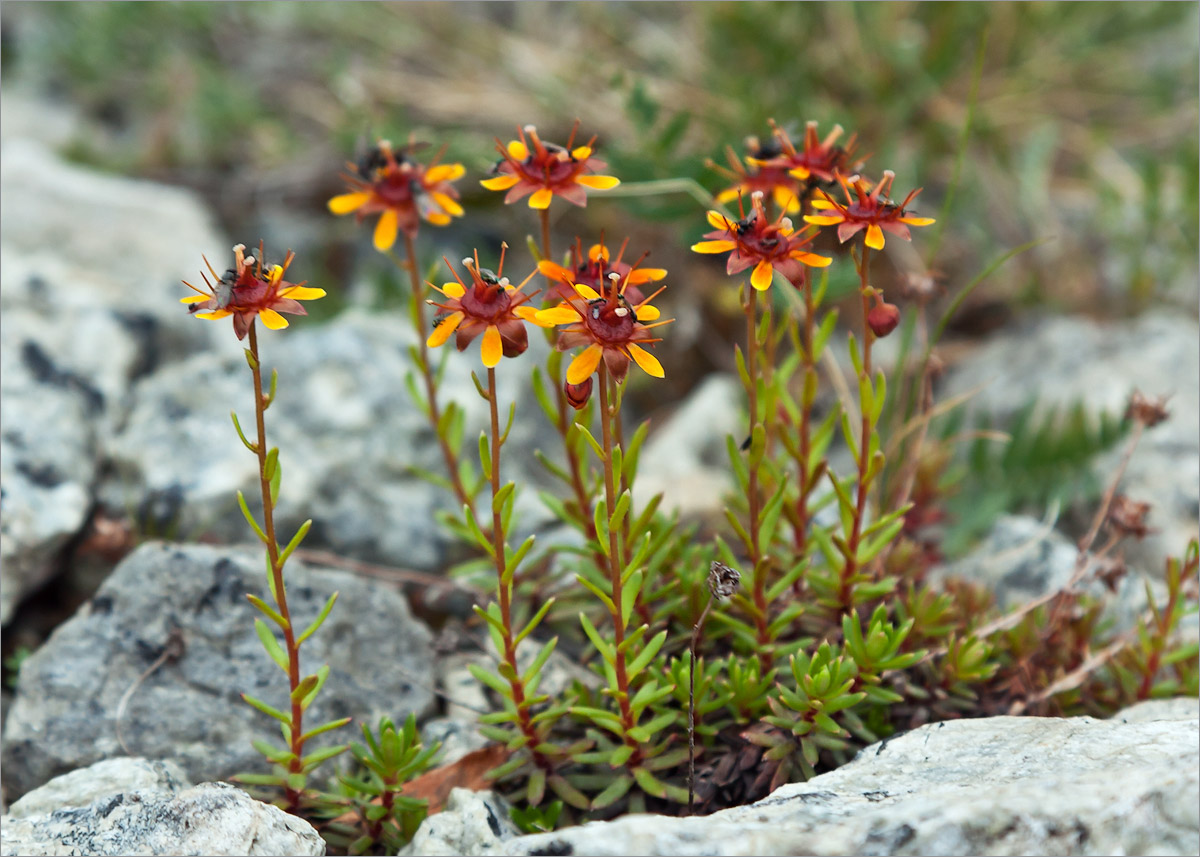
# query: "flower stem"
427 372
800 539
846 582
291 647
699 626
757 561
614 562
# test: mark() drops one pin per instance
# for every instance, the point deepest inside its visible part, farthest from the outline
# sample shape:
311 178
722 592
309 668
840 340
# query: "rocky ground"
114 408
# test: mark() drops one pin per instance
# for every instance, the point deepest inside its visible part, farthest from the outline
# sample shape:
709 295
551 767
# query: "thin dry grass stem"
172 651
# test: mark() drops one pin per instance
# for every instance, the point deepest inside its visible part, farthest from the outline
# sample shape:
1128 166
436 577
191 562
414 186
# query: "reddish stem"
766 647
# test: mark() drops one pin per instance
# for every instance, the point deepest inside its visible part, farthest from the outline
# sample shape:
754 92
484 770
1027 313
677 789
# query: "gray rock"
1001 785
472 823
188 710
103 779
346 428
212 818
1062 360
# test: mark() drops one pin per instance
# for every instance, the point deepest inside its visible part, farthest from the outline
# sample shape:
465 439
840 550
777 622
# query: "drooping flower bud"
883 318
578 394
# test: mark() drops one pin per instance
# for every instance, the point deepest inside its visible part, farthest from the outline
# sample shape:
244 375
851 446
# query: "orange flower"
530 166
818 162
401 191
754 241
593 269
491 306
770 179
870 210
608 327
245 293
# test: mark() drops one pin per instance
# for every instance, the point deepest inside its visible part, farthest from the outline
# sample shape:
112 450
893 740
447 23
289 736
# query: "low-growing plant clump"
726 663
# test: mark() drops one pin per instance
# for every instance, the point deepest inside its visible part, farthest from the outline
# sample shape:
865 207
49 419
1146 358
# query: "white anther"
237 248
786 223
504 281
249 260
530 129
467 261
385 144
758 194
621 311
614 276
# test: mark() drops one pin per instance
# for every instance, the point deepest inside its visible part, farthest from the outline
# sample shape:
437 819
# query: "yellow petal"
586 291
213 315
597 252
714 246
729 195
386 230
646 275
272 319
874 238
448 204
275 275
195 299
717 220
436 218
442 332
646 360
453 289
500 182
598 182
581 153
302 293
823 219
584 364
553 270
645 312
348 202
822 204
517 149
813 260
444 173
493 348
786 200
762 276
561 314
917 221
799 173
541 198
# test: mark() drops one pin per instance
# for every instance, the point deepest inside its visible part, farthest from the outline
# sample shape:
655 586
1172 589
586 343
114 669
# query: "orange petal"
561 314
302 293
874 238
714 246
442 332
493 348
822 204
530 314
646 360
646 275
917 221
444 173
453 289
272 319
813 260
597 252
348 202
437 218
586 291
386 230
517 150
717 220
554 271
801 173
448 204
762 276
213 315
541 198
581 153
195 299
584 364
598 182
823 219
645 312
500 182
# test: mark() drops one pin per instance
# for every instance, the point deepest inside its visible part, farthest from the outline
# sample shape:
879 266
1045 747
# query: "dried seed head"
1128 517
1110 571
1149 412
723 580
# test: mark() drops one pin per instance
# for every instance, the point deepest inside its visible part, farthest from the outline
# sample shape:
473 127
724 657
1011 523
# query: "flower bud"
883 318
578 394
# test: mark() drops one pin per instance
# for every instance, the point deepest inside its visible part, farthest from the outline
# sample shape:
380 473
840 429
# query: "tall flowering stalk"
403 192
247 293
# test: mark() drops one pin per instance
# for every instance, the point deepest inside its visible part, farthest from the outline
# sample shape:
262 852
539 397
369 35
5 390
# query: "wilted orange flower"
765 245
245 293
490 305
390 183
870 210
530 166
607 326
817 162
593 269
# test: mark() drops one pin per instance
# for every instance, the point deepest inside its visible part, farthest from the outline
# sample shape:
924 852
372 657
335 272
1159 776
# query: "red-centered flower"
246 293
762 175
867 209
490 305
606 326
816 162
593 270
764 245
401 191
531 166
